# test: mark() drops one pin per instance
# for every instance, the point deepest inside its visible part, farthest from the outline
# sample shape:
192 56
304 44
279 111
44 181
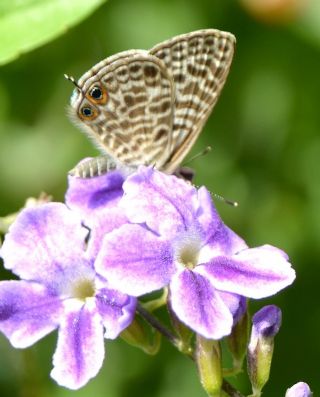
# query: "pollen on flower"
83 288
187 250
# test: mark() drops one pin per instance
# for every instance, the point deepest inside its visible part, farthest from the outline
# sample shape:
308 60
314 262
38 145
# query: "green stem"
155 323
156 303
237 369
227 388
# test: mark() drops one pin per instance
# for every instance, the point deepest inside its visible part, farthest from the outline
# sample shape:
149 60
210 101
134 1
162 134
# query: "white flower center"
187 250
79 282
83 288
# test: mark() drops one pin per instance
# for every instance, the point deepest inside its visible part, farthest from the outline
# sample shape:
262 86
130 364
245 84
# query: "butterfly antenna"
73 81
203 152
226 201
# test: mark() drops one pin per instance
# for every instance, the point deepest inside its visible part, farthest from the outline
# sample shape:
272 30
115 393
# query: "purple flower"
300 389
90 196
179 240
266 324
96 201
59 289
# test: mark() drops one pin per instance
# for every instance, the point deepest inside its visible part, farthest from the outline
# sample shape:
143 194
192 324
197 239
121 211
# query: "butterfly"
149 106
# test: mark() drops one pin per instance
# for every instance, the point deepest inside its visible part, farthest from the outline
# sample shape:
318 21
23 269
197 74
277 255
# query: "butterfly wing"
132 119
199 63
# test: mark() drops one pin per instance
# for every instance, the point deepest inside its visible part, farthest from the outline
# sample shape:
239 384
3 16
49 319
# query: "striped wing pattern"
199 63
138 111
158 100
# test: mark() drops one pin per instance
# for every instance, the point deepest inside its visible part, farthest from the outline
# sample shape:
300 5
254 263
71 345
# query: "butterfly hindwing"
199 63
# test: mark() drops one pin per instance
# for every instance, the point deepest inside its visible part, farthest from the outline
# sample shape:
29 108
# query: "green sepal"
237 342
208 358
259 364
184 333
138 335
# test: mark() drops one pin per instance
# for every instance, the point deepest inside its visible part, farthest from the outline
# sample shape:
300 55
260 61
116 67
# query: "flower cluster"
83 265
176 238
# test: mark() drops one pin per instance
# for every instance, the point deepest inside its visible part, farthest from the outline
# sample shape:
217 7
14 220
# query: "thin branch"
230 390
152 320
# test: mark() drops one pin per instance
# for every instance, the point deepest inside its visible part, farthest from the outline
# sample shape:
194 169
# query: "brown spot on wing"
150 71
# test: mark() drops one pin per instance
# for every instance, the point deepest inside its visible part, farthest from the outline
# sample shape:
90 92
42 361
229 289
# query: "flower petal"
265 325
223 242
27 312
116 310
134 260
254 273
197 304
267 321
237 304
80 350
88 196
207 213
300 389
43 242
96 201
164 202
108 220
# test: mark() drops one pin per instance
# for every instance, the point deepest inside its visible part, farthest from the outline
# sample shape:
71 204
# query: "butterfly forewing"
199 63
134 124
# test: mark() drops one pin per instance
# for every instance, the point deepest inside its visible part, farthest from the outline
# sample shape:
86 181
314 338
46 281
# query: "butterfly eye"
97 95
88 113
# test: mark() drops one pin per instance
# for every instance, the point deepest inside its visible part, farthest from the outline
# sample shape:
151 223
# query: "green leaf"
27 24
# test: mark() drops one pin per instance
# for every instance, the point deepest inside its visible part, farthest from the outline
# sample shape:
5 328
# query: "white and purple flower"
177 238
60 288
151 231
265 326
300 389
96 201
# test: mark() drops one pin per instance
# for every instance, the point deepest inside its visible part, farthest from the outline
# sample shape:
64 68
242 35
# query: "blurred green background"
265 135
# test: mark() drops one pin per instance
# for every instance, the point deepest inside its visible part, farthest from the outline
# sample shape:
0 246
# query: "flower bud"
137 335
300 389
238 339
266 324
185 333
208 357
